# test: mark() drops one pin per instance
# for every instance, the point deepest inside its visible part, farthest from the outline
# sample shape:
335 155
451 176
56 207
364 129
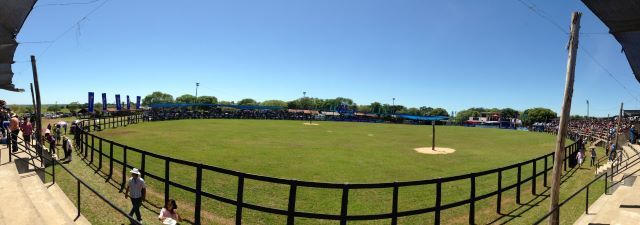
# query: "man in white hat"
137 190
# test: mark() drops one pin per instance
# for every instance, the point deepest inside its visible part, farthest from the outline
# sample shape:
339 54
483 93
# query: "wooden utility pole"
433 138
618 132
38 105
554 219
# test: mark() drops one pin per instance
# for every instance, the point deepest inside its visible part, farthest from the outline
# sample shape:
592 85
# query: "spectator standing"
136 189
52 142
632 134
580 158
14 129
593 156
27 131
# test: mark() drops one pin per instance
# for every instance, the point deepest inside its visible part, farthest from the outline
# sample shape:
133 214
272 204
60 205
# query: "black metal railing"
88 147
46 158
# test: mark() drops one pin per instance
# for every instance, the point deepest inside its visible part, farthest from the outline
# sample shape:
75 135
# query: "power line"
66 4
546 17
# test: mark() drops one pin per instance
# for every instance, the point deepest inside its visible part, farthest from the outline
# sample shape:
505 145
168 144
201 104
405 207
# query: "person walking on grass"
137 190
52 142
67 147
580 158
593 156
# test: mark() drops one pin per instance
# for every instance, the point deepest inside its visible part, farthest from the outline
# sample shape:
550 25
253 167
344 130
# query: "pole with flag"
90 102
104 101
128 103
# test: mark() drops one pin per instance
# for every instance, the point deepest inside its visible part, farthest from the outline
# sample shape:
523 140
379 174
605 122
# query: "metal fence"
92 147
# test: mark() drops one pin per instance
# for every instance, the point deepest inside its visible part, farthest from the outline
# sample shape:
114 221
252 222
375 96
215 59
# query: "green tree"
439 112
247 101
73 106
186 98
207 99
54 108
376 107
364 108
280 103
157 97
508 113
539 114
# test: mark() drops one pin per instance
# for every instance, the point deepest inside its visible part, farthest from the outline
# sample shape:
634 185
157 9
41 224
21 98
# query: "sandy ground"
438 150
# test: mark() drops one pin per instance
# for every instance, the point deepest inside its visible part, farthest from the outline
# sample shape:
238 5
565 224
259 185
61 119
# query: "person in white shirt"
137 190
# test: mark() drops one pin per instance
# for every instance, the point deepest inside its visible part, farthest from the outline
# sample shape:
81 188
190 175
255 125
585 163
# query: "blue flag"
138 102
104 101
128 103
118 103
91 102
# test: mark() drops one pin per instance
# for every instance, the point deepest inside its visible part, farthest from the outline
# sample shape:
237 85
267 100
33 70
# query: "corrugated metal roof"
13 13
623 19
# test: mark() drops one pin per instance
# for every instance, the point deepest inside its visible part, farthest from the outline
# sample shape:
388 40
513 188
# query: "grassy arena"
334 152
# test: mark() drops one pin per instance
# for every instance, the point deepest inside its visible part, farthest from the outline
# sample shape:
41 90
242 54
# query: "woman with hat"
137 190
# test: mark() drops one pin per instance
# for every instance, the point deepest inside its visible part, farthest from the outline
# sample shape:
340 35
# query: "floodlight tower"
197 85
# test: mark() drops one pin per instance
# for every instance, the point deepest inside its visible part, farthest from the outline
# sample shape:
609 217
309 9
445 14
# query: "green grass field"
339 152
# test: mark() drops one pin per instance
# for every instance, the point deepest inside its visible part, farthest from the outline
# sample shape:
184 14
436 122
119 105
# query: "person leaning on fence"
137 190
168 214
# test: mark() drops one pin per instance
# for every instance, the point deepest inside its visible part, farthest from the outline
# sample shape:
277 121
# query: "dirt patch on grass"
310 124
437 150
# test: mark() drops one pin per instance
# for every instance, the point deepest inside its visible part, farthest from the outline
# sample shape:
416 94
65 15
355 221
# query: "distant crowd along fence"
89 149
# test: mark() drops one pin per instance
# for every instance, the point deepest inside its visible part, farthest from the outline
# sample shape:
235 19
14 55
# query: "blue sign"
90 101
138 102
104 101
128 103
118 103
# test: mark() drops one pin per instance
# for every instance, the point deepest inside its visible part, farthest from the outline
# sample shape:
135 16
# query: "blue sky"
453 54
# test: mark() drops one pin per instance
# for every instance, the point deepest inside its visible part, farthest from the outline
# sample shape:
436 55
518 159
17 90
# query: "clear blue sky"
450 53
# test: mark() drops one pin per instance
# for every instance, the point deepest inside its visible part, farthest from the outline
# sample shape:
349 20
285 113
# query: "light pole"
587 108
393 104
197 85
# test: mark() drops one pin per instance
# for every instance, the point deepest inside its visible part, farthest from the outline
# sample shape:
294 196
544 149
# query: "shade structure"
623 19
13 13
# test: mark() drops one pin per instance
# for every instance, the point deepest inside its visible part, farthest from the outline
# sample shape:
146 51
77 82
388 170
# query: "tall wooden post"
433 137
618 131
554 219
38 105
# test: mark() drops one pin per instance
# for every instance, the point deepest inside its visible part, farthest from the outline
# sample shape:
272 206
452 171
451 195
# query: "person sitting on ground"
168 214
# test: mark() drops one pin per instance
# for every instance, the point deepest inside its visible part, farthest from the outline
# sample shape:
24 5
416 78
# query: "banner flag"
138 102
104 101
90 102
128 103
118 103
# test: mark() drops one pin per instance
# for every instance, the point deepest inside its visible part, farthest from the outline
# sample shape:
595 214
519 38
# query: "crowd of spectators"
601 128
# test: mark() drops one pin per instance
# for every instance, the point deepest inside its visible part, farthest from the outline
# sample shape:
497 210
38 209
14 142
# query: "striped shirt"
135 187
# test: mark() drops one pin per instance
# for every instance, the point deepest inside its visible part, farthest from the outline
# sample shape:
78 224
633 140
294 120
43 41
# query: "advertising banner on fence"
128 103
118 103
137 102
104 101
91 102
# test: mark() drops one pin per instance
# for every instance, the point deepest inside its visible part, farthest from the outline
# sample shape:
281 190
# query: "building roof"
623 19
13 13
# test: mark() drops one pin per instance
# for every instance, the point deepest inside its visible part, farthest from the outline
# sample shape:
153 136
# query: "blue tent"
423 118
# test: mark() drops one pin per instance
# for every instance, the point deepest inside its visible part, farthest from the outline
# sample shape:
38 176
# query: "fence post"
344 205
198 194
143 164
533 178
518 184
110 161
564 160
78 197
546 168
586 202
166 180
606 185
100 154
10 146
438 201
472 198
53 169
124 167
239 200
499 197
92 148
291 209
394 205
